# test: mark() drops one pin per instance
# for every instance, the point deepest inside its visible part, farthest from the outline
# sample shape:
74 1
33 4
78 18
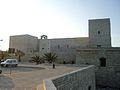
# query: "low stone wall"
81 79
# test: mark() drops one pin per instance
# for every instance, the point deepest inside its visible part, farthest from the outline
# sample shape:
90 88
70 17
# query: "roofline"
23 35
99 19
70 38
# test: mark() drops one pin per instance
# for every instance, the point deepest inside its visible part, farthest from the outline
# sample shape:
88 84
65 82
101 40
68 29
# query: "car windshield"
9 61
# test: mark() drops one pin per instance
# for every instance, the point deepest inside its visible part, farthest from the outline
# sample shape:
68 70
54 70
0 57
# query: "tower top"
99 19
44 37
100 32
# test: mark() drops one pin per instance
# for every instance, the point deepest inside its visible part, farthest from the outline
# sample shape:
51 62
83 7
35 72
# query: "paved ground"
29 77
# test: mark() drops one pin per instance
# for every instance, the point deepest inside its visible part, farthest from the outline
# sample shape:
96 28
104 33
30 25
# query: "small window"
58 46
103 62
98 46
42 48
67 46
98 32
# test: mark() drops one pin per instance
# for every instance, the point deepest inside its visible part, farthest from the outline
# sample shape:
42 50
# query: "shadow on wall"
6 83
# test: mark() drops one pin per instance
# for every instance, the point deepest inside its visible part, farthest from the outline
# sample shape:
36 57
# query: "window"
58 46
98 46
98 32
14 60
67 46
103 62
42 48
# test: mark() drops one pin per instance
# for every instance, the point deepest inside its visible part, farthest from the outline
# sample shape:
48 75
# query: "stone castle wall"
65 48
82 79
25 43
108 75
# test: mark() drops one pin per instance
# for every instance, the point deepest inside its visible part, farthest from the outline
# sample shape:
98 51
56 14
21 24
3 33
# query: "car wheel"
6 65
2 65
16 65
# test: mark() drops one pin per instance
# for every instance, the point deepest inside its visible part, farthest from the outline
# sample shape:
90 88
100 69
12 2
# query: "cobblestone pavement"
30 76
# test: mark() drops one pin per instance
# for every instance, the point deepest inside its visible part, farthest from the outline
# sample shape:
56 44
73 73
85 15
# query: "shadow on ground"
6 83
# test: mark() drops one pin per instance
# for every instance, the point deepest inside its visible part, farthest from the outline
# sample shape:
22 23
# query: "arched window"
103 62
44 37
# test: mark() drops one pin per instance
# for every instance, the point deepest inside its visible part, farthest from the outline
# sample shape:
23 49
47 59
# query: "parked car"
0 70
9 62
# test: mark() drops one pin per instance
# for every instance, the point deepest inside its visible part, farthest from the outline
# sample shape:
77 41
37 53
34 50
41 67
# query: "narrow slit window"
98 32
58 46
67 46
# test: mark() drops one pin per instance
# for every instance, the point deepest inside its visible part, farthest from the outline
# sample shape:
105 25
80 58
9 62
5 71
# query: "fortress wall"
65 48
82 79
108 75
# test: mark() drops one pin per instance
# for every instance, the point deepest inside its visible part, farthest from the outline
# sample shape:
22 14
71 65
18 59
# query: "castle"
95 49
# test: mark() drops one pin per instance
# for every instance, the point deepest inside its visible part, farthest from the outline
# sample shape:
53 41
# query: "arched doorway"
89 87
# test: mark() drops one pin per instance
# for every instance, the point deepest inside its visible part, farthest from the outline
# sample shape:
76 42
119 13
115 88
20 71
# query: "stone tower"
44 45
99 33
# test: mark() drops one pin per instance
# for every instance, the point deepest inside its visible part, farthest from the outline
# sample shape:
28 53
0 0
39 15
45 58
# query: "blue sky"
56 18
